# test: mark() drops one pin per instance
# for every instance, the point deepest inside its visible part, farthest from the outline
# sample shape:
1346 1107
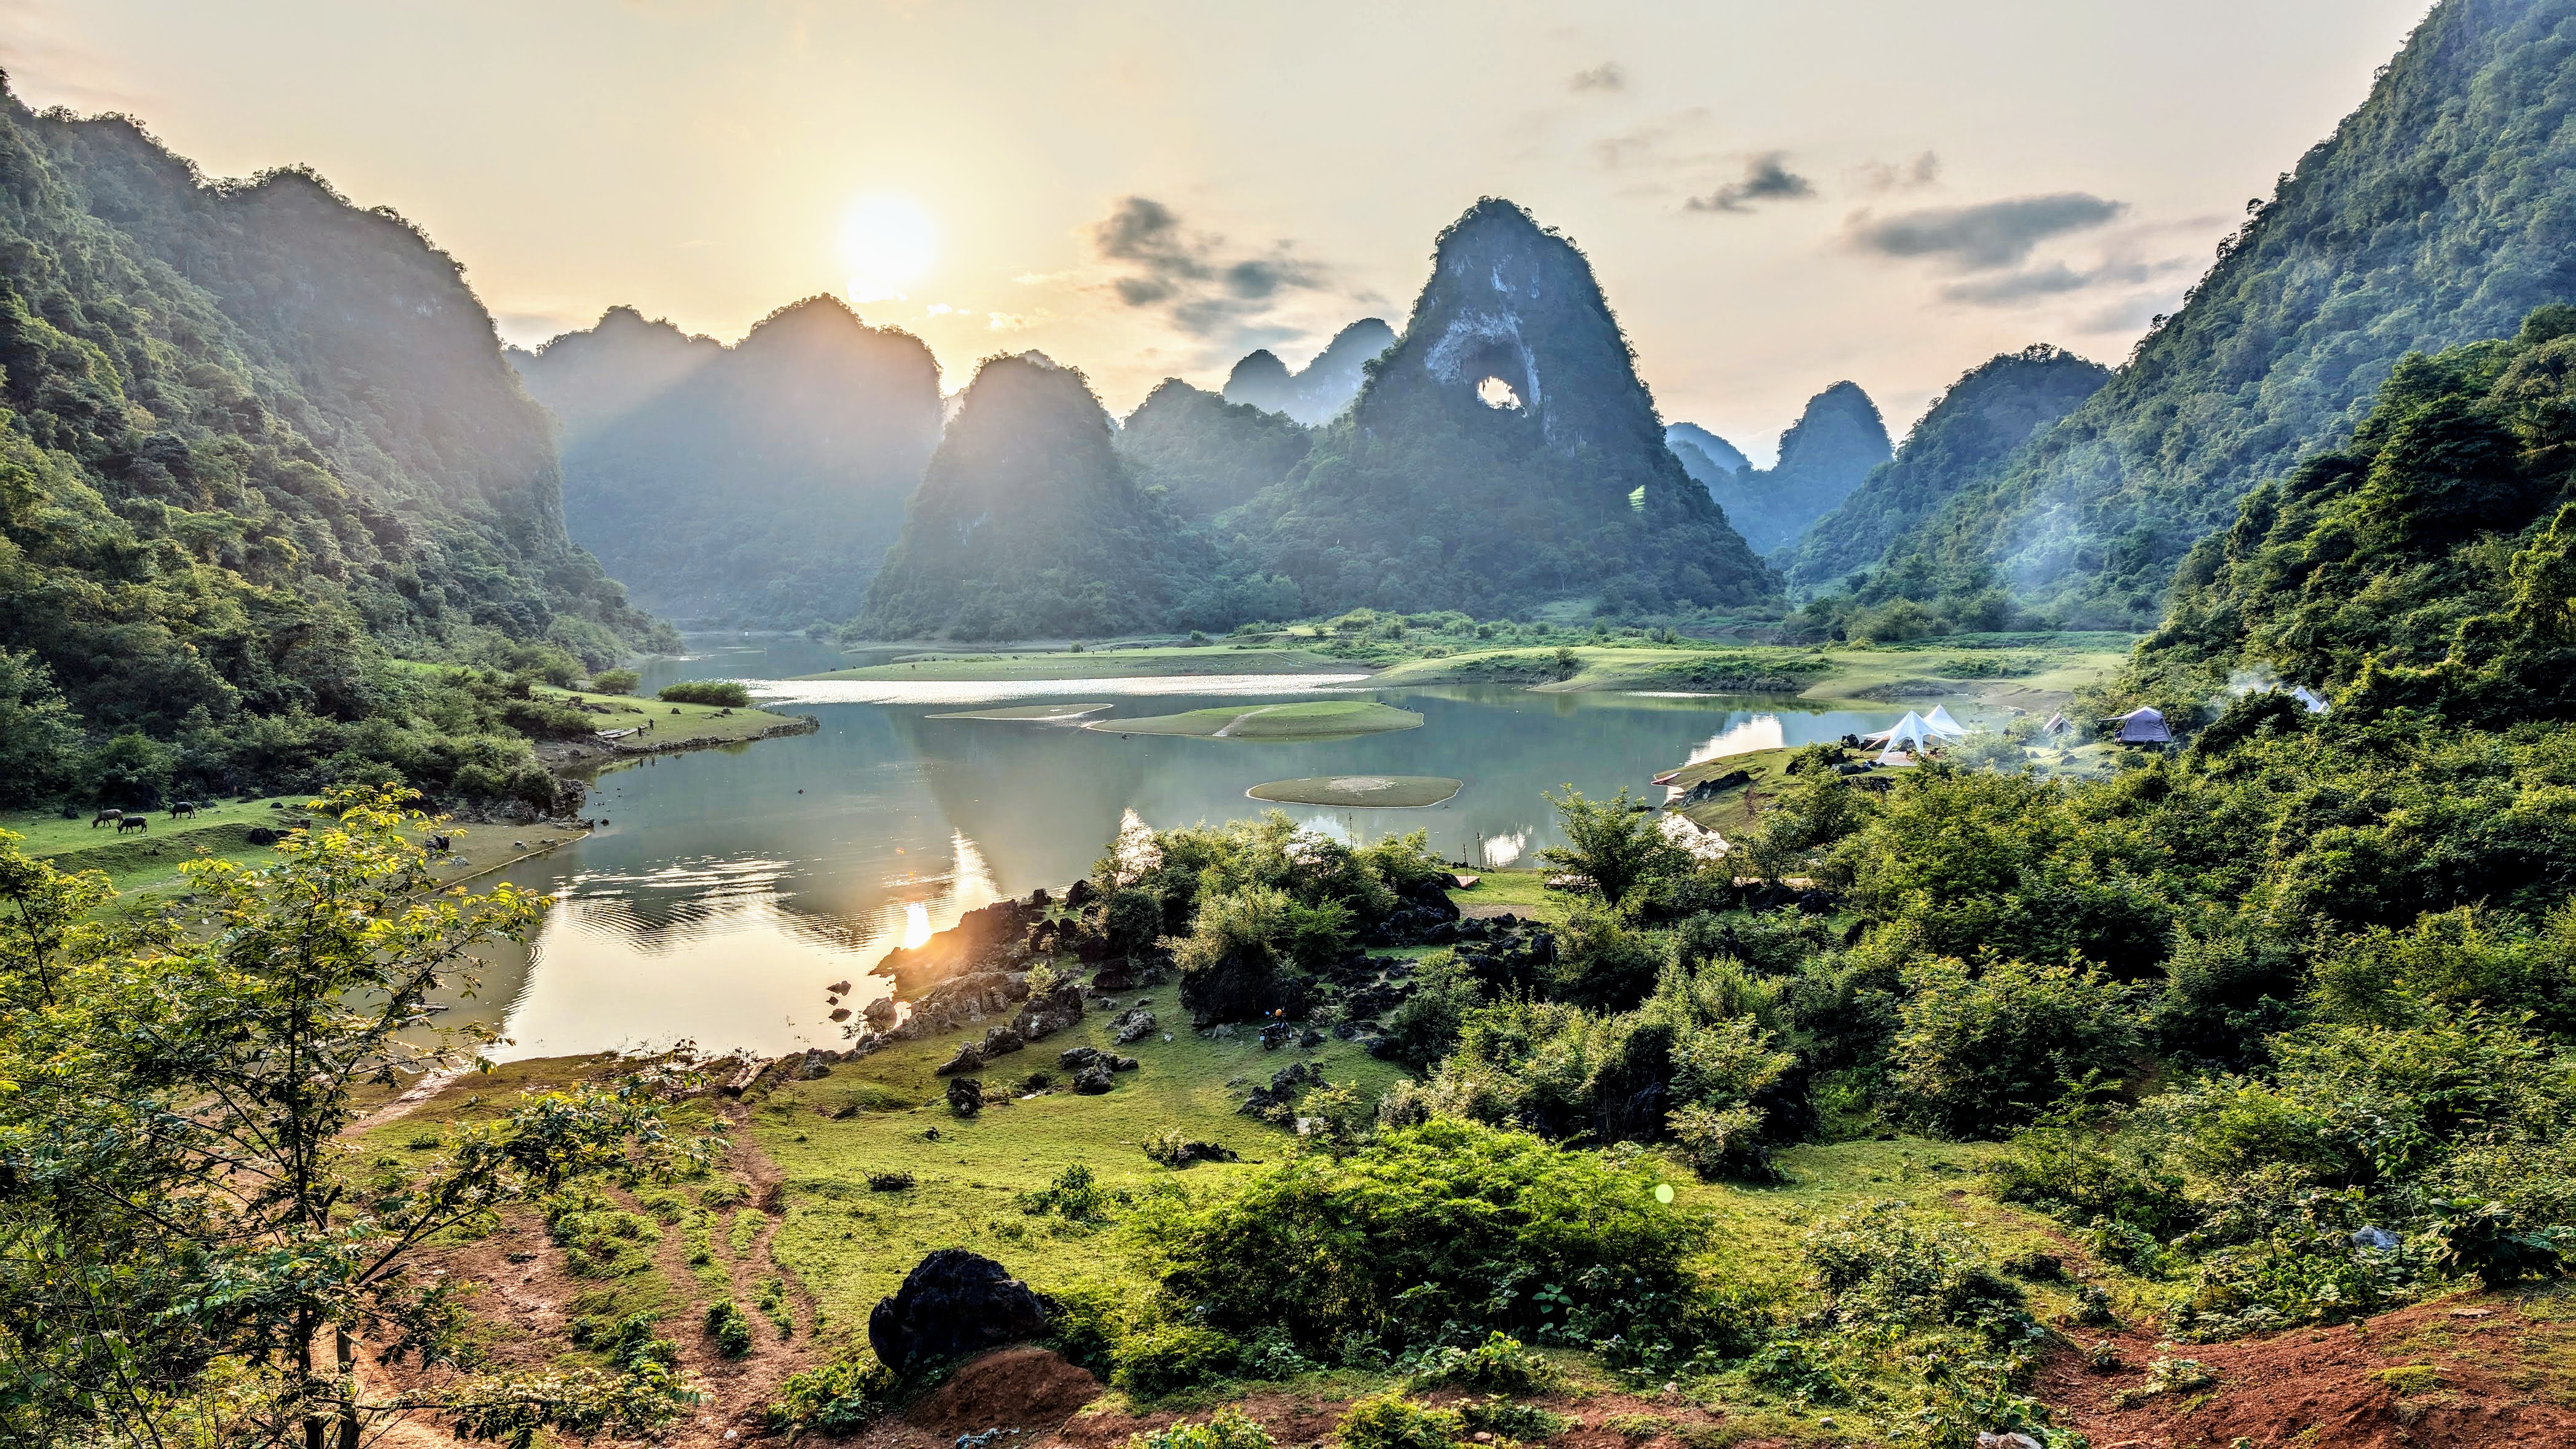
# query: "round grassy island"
1321 719
1402 792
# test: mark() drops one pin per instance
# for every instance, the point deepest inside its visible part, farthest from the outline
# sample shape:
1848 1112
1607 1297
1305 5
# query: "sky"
1775 196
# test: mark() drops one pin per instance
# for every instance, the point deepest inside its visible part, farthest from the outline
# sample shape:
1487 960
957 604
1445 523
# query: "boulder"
1001 1041
1074 1059
969 1058
965 1096
990 939
1080 894
1124 1064
1046 1015
1114 978
954 1303
1236 987
1093 1079
1131 1024
879 1013
816 1064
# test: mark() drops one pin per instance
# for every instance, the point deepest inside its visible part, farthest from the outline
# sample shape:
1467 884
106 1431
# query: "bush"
1981 1053
1074 1194
1227 1428
1524 1423
1390 1421
615 681
1162 1357
1500 1363
1422 1231
1603 961
1617 844
836 1400
1880 1263
2073 1176
2484 1241
726 692
730 1327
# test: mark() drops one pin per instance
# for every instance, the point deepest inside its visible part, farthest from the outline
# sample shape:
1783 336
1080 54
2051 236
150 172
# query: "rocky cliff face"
1504 453
1834 444
1317 394
758 484
1027 524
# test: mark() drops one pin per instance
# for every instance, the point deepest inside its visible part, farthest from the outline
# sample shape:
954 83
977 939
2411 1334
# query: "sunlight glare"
887 244
916 925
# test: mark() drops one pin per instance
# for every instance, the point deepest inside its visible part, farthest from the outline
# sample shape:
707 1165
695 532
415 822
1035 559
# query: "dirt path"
1227 729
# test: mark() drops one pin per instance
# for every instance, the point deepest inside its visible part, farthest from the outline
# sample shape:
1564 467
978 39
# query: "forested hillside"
1028 526
2436 214
1205 453
754 485
254 439
2429 565
1317 393
1705 456
1504 454
1968 431
1838 438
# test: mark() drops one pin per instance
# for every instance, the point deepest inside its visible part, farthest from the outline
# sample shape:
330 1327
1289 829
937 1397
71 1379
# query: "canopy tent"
1910 733
1941 723
2144 726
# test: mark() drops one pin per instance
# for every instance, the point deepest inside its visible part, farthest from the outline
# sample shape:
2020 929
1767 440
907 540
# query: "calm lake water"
729 887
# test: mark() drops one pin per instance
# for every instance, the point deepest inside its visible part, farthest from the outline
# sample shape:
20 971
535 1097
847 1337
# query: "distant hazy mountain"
1705 456
1027 525
758 484
1986 414
1206 453
1318 394
2437 213
1503 454
1823 457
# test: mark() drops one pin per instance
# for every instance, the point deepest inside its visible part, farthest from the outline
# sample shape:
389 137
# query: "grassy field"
1733 812
675 726
1183 659
1322 719
1386 791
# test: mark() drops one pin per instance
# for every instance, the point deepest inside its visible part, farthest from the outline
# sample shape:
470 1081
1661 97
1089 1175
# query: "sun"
887 244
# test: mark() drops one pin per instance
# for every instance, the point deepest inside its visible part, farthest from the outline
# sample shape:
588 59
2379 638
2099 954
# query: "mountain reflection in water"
730 887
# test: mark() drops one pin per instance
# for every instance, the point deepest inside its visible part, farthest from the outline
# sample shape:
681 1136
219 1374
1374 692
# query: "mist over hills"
753 485
1326 385
1968 430
1836 441
2437 213
1205 453
253 439
1705 456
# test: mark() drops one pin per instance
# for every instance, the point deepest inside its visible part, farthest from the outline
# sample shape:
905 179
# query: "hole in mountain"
1493 392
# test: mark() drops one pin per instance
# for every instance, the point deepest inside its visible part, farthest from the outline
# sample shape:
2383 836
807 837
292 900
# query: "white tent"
1941 723
1910 733
2057 725
2314 701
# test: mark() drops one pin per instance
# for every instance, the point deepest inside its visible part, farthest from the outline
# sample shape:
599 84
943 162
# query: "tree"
178 1206
1614 843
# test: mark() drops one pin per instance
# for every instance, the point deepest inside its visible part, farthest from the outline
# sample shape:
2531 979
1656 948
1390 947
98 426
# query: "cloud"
1649 146
1766 178
1607 76
1983 237
1923 170
1200 285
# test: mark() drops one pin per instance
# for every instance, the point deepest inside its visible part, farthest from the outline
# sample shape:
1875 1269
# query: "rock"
838 988
1001 1041
1202 1152
816 1065
990 939
2376 1238
1080 894
954 1302
966 1096
1310 1038
1124 1064
879 1013
1240 988
969 1058
1131 1024
1276 1034
2006 1441
1074 1059
1113 978
1044 1016
840 1013
1038 900
1093 1079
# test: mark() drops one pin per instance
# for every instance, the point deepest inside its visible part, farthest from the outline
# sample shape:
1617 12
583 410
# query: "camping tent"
2057 724
2144 726
1910 733
2315 702
1941 723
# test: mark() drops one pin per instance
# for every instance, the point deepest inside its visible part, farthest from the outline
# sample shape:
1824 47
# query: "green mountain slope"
1966 432
1317 393
2439 212
1705 456
1205 453
1502 455
2430 563
1027 525
755 485
1836 441
254 437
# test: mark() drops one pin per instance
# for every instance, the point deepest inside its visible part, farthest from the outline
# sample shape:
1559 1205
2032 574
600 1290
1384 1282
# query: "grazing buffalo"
134 822
184 807
105 817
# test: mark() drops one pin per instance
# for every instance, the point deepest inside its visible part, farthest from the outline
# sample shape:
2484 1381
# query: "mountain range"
1327 384
1837 439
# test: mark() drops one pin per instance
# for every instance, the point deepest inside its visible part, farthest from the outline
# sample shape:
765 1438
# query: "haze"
1775 197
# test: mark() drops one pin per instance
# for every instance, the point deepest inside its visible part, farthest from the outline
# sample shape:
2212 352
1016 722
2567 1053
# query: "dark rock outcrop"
1044 1016
1240 988
953 1303
966 1096
990 939
1130 1025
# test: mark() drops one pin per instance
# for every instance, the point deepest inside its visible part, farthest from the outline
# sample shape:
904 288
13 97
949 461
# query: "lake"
729 887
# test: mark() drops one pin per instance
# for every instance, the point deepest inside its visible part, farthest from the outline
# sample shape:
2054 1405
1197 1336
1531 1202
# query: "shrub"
836 1400
1616 844
2076 1177
615 681
1603 961
730 1327
1504 1419
1979 1054
1447 1223
1073 1194
726 692
1499 1363
1227 1428
2484 1241
1162 1357
1882 1263
1796 1369
1390 1421
897 1181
